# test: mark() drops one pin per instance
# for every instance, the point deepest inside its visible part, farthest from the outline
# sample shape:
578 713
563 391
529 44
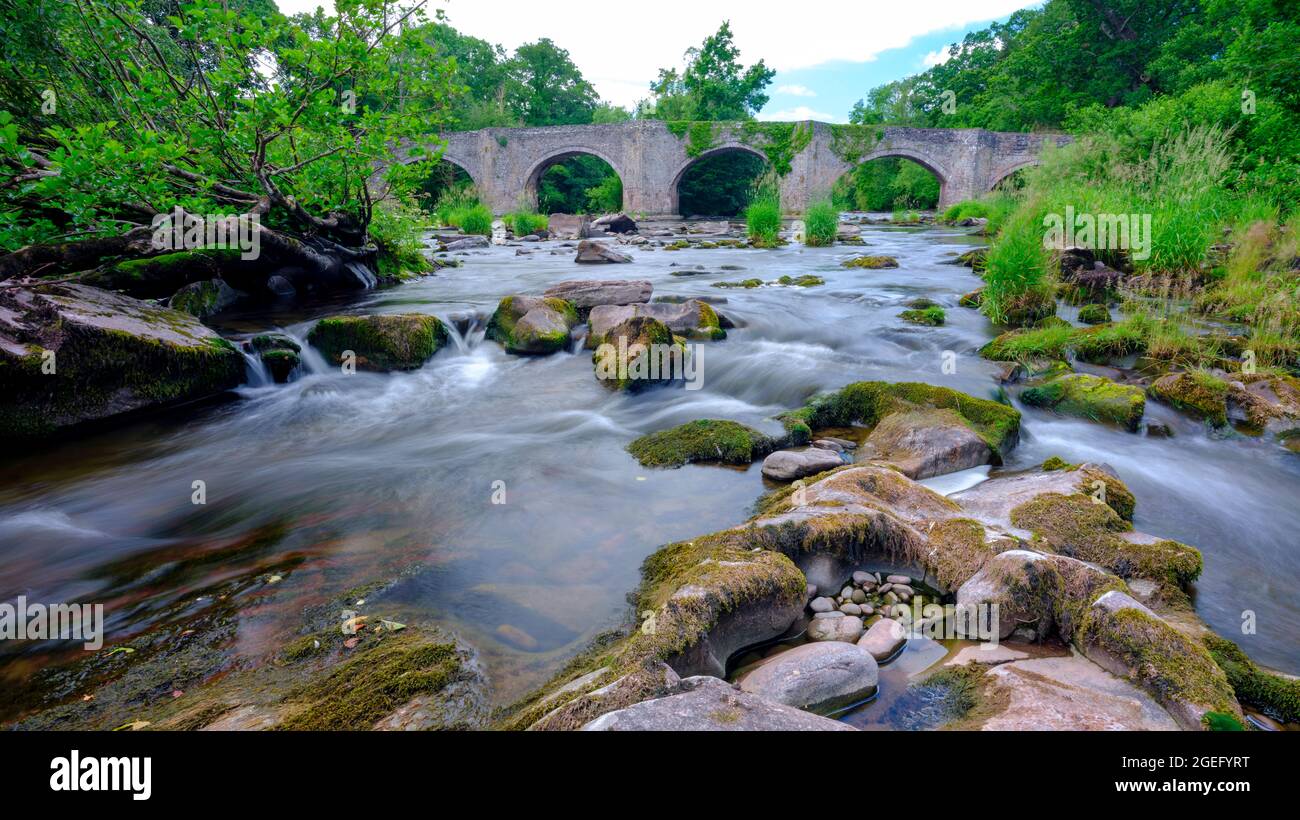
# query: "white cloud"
938 57
622 60
795 90
800 112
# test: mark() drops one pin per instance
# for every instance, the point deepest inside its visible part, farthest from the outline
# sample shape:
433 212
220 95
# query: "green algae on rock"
702 440
532 325
870 262
933 316
71 354
1197 392
1092 397
382 342
637 353
1094 314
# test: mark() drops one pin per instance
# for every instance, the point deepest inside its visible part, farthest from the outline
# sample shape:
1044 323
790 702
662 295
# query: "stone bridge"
651 157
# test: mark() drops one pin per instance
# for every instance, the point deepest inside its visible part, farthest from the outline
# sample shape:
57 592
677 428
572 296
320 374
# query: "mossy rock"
1274 695
532 325
637 353
973 259
1094 314
973 299
71 354
1090 397
158 277
1080 526
702 440
743 283
1203 394
204 299
866 403
1127 639
807 280
932 316
869 262
1029 309
281 363
382 342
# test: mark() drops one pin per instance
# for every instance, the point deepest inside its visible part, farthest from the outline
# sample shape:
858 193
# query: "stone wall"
506 163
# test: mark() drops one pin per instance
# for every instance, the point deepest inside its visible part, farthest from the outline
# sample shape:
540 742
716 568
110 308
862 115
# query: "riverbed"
494 491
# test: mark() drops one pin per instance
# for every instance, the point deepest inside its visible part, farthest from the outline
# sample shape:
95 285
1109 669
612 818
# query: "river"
334 480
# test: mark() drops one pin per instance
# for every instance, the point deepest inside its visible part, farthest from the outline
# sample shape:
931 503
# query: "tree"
214 113
713 85
547 88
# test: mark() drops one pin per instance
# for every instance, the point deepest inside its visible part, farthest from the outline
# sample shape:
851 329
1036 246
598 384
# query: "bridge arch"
679 174
998 176
922 159
533 176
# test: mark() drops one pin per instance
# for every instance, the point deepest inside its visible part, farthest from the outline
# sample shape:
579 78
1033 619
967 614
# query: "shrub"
525 223
821 224
397 230
476 219
763 219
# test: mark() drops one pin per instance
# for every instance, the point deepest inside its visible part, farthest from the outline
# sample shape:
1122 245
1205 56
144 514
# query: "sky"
827 53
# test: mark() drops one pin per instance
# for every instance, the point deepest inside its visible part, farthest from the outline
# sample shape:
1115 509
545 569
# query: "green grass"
475 219
763 219
1018 270
995 207
821 224
524 223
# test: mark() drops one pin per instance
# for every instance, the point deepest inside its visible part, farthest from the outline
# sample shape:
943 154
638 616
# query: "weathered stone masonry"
506 163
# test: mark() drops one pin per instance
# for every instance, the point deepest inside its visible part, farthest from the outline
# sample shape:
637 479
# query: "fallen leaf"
392 626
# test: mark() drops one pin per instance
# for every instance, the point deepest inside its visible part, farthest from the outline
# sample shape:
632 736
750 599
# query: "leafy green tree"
713 85
546 88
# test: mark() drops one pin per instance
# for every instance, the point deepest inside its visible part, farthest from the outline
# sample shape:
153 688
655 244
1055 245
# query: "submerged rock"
818 677
532 325
711 705
1092 397
390 341
71 354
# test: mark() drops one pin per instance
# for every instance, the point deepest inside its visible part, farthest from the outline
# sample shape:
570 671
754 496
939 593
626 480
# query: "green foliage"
994 207
398 231
198 121
472 219
1018 269
720 184
524 223
546 88
454 202
933 316
712 86
703 440
821 224
580 184
763 218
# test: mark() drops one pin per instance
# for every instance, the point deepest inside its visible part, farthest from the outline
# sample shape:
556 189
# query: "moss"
972 300
1094 314
744 283
870 262
1057 463
1077 526
1091 397
1222 722
1029 309
1276 696
965 698
1198 392
403 341
960 548
868 402
1167 663
702 440
364 689
274 341
160 276
1103 343
618 370
807 280
678 245
933 316
780 142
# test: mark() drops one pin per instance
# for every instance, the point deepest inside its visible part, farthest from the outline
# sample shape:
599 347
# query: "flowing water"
335 480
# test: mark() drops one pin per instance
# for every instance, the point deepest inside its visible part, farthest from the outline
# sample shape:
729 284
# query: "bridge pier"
506 163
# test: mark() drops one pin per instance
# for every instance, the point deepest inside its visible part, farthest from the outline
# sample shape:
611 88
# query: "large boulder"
638 353
787 465
466 243
591 252
835 626
818 677
532 325
711 705
692 319
927 443
1021 584
72 354
1092 397
615 223
390 341
585 294
565 226
157 277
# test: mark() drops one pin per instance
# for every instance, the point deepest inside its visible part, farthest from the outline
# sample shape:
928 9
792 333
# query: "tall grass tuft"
475 219
821 224
1018 270
524 223
763 217
457 200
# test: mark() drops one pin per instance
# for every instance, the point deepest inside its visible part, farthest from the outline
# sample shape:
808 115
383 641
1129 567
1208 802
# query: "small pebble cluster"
867 598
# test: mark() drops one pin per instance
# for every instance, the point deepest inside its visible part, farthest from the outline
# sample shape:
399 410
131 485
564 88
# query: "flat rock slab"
818 677
787 465
712 705
884 638
988 653
1071 693
588 293
596 253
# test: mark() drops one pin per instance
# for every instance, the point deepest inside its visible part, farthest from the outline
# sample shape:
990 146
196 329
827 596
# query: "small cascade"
362 273
256 373
466 331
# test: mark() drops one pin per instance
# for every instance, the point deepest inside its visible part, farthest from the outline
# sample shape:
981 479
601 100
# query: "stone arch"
680 172
533 177
924 160
997 176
